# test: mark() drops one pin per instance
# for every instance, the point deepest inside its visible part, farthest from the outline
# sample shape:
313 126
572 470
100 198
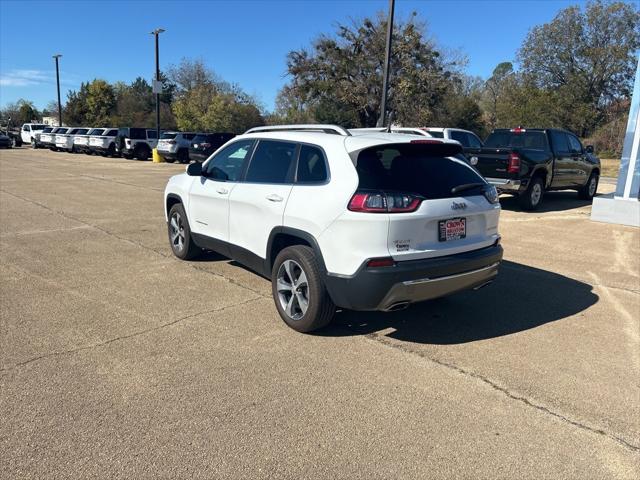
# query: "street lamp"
156 85
387 60
57 56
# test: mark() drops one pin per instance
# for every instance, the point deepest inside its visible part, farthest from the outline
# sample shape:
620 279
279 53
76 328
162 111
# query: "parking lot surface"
119 361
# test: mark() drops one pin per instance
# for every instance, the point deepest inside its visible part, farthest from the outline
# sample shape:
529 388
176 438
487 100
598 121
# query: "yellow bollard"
157 158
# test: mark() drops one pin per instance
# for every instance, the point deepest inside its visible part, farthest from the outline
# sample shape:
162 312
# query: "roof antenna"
388 130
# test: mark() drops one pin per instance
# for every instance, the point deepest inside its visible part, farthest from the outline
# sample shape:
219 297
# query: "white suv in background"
370 222
104 143
64 141
174 146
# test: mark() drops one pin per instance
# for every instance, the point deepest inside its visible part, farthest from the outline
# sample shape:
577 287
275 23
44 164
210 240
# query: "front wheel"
532 197
298 290
588 191
180 239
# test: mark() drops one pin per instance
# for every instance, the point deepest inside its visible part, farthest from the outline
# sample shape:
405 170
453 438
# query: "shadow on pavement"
552 202
521 298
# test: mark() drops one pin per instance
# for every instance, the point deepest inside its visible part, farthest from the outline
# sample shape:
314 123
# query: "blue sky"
242 41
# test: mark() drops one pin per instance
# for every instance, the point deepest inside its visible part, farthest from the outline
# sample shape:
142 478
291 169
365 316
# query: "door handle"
222 191
274 198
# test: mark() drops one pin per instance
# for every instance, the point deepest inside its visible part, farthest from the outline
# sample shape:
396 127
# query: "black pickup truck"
528 162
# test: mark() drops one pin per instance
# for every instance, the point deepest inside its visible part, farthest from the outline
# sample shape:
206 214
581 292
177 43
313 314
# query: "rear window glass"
111 133
96 131
81 131
436 134
62 130
271 162
505 139
200 138
168 136
37 127
311 165
47 130
414 169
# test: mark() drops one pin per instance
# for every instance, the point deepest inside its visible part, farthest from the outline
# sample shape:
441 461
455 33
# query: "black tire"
319 307
589 190
169 159
531 199
179 232
183 155
111 151
127 156
141 153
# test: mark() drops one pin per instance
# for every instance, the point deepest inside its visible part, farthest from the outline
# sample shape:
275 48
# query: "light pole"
156 86
57 56
387 60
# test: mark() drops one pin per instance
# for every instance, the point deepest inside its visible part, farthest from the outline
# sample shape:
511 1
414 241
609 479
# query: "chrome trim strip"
457 275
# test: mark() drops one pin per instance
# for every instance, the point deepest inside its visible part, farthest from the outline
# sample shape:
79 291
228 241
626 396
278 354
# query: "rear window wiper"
466 186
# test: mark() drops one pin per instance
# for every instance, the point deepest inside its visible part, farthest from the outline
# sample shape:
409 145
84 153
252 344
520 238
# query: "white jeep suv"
174 146
370 222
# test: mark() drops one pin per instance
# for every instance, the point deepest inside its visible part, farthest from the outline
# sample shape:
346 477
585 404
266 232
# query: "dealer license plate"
452 229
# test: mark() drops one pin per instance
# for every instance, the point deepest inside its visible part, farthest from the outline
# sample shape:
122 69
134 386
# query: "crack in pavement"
125 337
529 403
132 242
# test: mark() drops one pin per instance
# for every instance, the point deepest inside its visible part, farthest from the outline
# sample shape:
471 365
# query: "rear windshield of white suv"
417 169
96 131
168 136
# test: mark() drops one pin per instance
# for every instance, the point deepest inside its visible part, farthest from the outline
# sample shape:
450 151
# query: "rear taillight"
205 145
429 142
514 163
170 142
383 202
381 262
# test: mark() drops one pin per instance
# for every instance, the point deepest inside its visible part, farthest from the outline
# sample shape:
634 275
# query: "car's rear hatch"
504 148
440 204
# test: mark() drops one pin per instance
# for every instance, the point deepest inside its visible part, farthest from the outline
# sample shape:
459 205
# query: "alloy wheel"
293 289
536 193
177 232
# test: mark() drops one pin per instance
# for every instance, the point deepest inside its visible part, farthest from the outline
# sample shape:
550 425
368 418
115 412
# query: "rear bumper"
168 154
415 280
505 184
197 156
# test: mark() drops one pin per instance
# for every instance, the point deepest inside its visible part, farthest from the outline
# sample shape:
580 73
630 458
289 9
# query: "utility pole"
387 61
57 56
156 85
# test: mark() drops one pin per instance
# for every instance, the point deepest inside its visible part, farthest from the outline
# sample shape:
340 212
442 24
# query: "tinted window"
460 137
227 164
507 139
559 141
25 128
47 130
271 162
574 144
151 134
312 167
474 142
62 130
436 134
415 169
111 133
168 136
37 127
200 139
81 131
96 131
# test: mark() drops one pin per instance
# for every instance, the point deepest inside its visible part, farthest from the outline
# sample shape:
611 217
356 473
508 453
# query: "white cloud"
25 78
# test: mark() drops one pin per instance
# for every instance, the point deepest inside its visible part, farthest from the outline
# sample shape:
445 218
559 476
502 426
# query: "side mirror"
194 169
589 149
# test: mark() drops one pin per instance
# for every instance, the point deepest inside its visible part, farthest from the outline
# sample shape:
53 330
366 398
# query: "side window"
559 141
227 164
25 128
312 167
574 144
272 162
474 142
460 137
152 134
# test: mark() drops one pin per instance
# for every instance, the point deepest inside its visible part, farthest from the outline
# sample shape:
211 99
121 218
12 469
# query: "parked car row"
128 142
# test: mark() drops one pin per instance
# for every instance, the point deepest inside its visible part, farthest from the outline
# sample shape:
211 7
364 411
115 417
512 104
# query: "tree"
15 114
495 87
586 57
101 102
341 77
75 110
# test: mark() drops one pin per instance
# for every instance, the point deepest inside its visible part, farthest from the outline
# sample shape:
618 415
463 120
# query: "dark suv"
136 142
204 144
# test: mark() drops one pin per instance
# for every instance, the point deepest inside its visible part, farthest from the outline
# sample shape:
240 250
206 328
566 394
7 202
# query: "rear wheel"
298 290
169 159
588 191
532 197
141 153
180 239
183 156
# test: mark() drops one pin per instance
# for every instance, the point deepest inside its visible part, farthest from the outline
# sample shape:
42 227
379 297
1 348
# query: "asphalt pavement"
119 361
